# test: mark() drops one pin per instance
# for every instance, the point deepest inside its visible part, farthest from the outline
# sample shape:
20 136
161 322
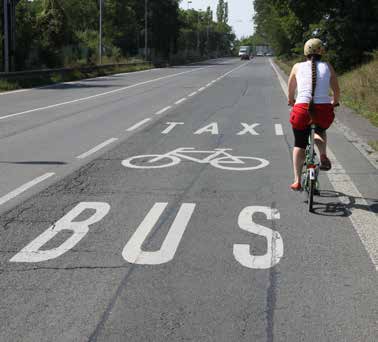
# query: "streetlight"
6 36
198 29
100 35
189 2
145 29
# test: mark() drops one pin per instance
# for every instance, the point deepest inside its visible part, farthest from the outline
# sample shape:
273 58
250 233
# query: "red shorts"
323 115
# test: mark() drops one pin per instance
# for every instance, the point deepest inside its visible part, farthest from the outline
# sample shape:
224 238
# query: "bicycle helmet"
313 46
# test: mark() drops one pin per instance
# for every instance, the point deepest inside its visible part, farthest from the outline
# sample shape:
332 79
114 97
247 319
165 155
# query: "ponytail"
314 58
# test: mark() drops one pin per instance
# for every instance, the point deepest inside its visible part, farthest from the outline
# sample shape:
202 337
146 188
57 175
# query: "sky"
240 13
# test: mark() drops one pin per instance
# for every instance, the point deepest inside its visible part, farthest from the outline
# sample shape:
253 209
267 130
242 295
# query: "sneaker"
325 163
296 186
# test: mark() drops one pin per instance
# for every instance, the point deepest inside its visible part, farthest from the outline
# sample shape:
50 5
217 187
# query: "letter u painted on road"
133 252
33 253
275 247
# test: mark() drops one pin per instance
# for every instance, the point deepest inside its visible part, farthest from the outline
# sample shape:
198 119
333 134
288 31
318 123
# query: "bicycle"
218 158
311 169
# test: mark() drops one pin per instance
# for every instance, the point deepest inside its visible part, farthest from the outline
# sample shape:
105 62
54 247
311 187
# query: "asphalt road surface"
154 206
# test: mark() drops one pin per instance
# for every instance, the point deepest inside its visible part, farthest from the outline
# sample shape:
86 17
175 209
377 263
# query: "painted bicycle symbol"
218 158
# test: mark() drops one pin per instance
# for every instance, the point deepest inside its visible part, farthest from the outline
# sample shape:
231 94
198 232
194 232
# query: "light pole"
189 2
198 29
145 29
100 36
6 36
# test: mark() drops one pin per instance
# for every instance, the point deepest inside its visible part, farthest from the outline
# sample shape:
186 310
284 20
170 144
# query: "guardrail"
33 74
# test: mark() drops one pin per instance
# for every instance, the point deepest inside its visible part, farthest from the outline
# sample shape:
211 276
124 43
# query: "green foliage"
348 27
56 33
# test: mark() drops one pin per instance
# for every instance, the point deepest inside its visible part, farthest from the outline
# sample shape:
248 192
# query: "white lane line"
25 187
98 95
181 101
279 130
163 110
364 222
208 85
97 148
193 94
133 128
201 89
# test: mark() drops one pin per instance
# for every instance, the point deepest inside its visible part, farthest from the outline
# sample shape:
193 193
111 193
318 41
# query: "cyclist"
312 79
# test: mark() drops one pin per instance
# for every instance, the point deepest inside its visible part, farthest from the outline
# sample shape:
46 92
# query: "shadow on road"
34 162
342 205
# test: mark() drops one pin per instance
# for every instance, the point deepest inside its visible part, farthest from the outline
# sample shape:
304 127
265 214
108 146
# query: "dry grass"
74 75
360 90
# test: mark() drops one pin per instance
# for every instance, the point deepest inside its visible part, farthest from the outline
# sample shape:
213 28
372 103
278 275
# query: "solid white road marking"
33 253
171 126
133 252
201 89
141 123
212 128
279 130
192 94
275 248
97 95
249 129
364 222
25 187
163 110
97 148
180 101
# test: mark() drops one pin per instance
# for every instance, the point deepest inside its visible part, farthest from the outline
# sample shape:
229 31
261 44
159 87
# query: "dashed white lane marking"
180 101
365 222
97 95
279 130
25 187
193 94
97 148
163 110
133 128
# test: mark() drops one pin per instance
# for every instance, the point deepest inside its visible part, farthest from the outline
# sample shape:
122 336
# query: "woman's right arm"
292 85
334 85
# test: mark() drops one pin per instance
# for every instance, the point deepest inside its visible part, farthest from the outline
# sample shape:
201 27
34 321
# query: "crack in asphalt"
272 290
99 327
69 268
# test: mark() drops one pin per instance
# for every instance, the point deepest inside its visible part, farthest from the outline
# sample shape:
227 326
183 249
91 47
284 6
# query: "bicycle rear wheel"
311 190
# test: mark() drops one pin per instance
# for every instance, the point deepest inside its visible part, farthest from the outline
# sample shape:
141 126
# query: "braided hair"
314 59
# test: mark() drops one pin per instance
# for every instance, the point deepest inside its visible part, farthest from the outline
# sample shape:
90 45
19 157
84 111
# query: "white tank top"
304 83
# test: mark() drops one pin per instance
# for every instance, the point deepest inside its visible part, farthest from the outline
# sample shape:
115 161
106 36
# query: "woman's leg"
298 160
321 142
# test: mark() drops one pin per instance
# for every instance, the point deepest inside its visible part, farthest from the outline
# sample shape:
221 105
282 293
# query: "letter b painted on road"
33 253
275 247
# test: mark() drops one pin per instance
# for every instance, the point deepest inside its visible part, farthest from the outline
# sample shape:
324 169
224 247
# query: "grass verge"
74 75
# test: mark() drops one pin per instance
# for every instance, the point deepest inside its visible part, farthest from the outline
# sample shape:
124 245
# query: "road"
113 228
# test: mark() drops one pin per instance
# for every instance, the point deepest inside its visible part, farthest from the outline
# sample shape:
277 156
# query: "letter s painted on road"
275 247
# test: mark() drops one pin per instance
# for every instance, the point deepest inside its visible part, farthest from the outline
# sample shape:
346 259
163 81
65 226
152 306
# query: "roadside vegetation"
65 33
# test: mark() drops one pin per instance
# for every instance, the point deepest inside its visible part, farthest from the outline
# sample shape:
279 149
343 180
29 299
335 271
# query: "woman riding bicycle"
313 78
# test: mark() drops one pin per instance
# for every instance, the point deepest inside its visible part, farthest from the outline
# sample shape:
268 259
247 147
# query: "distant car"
259 54
244 57
268 54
